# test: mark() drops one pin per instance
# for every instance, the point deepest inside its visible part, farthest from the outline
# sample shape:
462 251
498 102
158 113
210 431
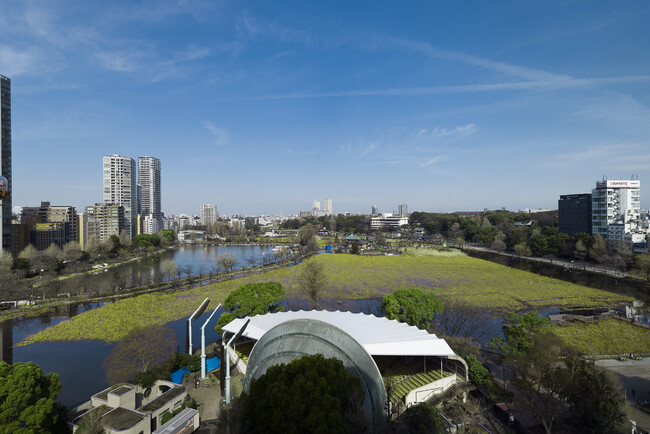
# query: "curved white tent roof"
378 336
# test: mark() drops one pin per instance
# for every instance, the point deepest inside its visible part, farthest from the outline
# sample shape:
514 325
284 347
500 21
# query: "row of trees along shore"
36 267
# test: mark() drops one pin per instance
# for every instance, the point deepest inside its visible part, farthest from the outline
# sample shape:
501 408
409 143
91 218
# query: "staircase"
449 394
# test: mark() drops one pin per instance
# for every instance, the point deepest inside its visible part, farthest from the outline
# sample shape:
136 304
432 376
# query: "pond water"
200 259
80 364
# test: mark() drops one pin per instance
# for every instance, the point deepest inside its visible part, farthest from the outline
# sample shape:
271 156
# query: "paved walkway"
635 376
210 396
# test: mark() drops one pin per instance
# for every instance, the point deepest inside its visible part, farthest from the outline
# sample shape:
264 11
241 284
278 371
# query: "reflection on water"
197 259
79 363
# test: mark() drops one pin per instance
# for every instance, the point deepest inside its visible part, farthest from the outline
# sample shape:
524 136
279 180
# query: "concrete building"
374 210
83 230
328 206
208 214
5 162
103 220
129 409
403 210
616 202
574 213
46 224
120 188
150 199
388 222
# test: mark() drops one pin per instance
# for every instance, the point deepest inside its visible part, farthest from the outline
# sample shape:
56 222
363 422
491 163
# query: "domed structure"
393 360
301 337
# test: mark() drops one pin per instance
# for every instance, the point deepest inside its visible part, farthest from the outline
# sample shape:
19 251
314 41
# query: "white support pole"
191 318
228 369
234 337
203 342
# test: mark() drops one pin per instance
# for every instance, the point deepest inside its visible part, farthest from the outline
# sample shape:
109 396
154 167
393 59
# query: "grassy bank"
609 336
479 282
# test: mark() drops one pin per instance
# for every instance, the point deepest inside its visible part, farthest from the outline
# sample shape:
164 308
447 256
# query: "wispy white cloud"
439 132
371 147
618 157
119 61
220 136
431 161
22 62
252 26
550 85
194 53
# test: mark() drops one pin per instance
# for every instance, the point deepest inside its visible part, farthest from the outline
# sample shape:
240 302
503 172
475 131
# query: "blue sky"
263 107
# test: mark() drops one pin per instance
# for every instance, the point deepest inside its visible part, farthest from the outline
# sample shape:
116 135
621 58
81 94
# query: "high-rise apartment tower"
120 188
150 205
5 161
328 206
208 214
616 208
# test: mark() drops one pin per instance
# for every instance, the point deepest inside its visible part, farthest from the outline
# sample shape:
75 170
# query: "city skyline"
261 108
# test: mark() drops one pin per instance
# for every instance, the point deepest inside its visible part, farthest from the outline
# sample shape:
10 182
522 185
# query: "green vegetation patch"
438 251
609 336
481 283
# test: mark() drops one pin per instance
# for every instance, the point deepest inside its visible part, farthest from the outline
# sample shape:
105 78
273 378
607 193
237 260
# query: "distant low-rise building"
388 222
189 236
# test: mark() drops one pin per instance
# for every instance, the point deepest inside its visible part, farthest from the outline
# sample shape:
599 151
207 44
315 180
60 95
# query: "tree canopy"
311 394
28 399
423 419
518 331
311 280
412 306
551 375
251 299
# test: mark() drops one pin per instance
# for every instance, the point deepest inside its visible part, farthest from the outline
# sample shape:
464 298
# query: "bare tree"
138 352
71 252
125 240
252 261
463 319
93 247
188 270
226 261
31 254
168 268
200 272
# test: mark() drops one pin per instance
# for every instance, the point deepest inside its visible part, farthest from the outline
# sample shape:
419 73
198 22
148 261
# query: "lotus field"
609 336
450 276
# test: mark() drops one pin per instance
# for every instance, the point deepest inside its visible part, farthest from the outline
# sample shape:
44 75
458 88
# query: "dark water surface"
79 363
